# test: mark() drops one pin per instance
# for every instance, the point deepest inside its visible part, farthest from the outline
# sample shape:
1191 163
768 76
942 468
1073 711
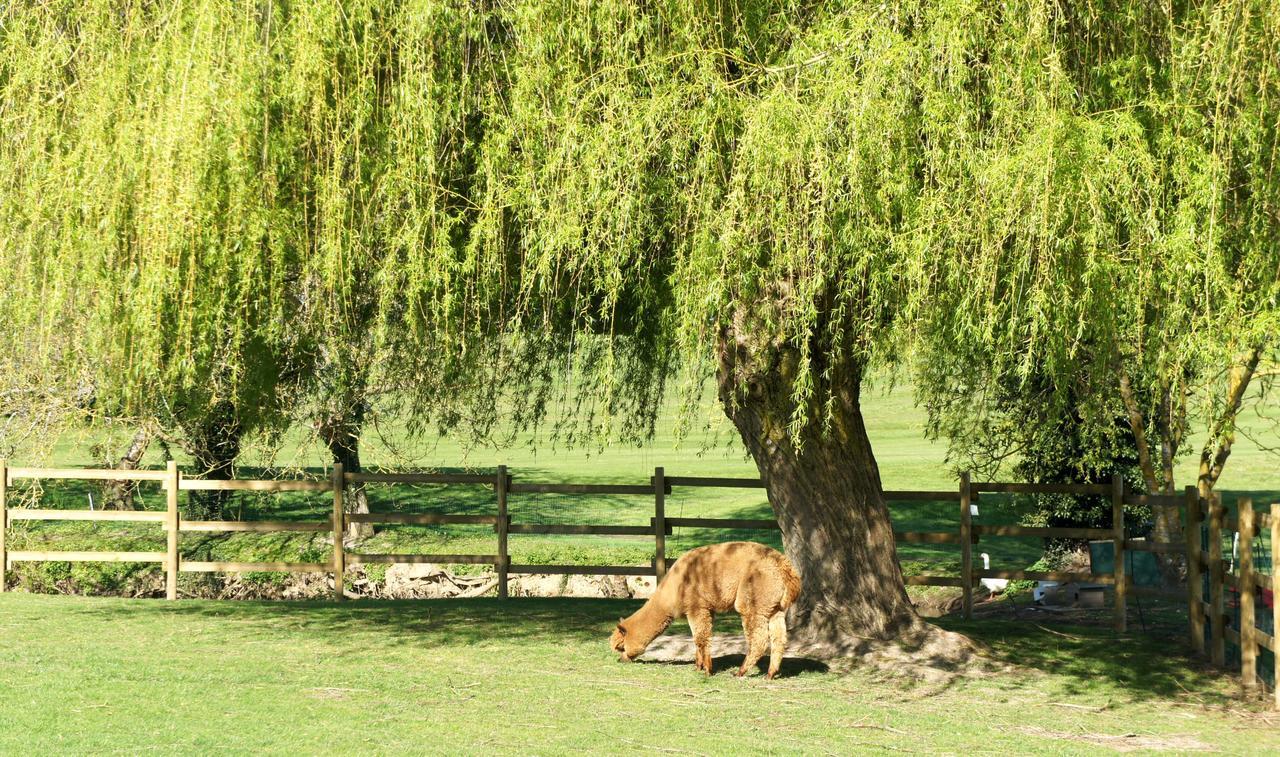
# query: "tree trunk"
1138 427
214 444
1168 523
825 490
1213 458
341 434
118 495
1168 520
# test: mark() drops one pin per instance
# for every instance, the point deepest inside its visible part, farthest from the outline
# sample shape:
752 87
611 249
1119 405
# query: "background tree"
150 262
1153 225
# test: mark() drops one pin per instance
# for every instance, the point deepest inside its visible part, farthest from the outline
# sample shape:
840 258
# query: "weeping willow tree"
481 206
1139 223
141 217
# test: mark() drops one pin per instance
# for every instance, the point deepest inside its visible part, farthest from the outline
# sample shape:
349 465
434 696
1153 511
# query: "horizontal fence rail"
255 526
99 515
193 566
989 486
422 519
419 478
358 559
203 484
38 556
12 475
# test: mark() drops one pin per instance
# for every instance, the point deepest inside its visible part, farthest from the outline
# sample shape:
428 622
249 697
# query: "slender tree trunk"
1168 520
118 495
1222 436
1138 426
341 434
826 493
1168 524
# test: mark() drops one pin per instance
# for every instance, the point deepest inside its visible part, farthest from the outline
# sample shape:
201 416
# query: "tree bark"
824 487
118 495
1168 525
340 431
1222 435
1138 426
214 444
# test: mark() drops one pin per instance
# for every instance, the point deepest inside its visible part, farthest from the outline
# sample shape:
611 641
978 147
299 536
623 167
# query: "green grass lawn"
84 675
535 676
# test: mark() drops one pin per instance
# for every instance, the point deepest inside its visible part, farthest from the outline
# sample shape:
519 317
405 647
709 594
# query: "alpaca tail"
790 582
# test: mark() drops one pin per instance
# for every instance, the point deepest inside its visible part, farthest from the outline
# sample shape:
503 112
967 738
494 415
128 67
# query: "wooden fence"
966 534
1242 579
172 481
1246 581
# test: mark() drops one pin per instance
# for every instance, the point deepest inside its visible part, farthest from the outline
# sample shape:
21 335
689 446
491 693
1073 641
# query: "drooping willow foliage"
1126 224
479 205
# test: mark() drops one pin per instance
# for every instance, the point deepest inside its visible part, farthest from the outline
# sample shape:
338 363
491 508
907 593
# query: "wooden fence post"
1275 606
171 527
1248 618
504 557
659 522
4 521
966 543
338 482
1195 592
1217 644
1121 571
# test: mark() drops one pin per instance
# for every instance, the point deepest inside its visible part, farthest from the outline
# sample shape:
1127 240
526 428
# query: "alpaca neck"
649 621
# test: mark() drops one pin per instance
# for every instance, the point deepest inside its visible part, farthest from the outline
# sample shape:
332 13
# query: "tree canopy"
500 199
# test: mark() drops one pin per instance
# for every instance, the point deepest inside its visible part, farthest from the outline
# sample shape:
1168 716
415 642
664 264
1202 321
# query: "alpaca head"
628 645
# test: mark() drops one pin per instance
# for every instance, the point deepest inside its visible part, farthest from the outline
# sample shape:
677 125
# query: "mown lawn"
535 676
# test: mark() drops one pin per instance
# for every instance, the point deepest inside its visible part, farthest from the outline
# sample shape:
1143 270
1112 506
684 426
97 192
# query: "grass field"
907 461
82 675
90 674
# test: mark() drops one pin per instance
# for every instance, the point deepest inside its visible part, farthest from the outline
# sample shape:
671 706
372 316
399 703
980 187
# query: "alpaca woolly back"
790 582
711 577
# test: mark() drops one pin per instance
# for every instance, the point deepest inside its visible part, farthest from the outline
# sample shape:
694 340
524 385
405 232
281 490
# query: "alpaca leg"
757 641
777 642
700 622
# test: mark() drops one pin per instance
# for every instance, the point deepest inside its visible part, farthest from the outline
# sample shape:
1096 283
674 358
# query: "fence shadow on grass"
1139 667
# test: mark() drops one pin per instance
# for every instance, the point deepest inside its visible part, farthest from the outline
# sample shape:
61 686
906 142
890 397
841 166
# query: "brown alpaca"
756 581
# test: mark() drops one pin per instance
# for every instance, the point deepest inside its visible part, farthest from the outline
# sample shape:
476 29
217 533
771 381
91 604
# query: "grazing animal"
756 581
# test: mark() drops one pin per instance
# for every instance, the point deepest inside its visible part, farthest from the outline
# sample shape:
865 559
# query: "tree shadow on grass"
1089 660
436 622
1086 661
727 664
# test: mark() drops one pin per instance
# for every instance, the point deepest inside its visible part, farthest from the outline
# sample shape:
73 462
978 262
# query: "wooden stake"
966 543
1217 608
1275 606
1121 570
171 566
1195 591
4 521
339 527
1248 618
659 522
504 557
